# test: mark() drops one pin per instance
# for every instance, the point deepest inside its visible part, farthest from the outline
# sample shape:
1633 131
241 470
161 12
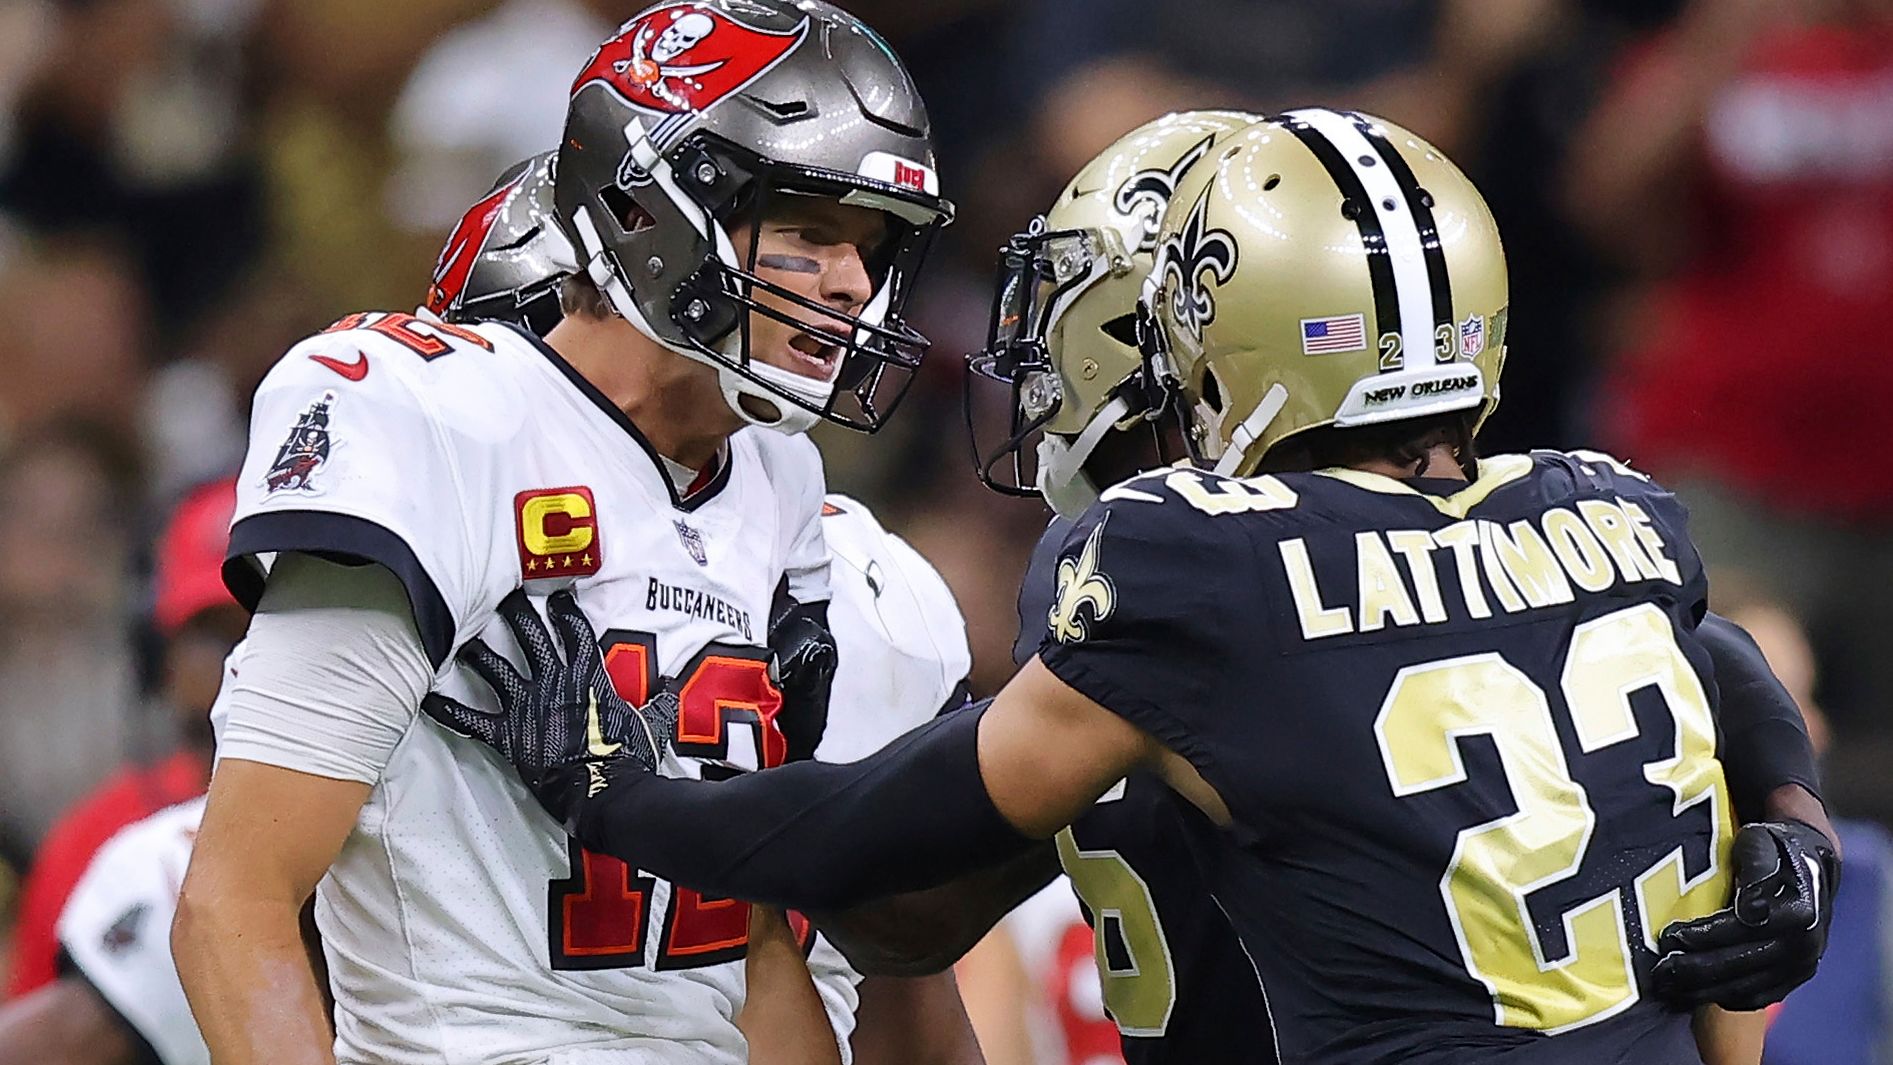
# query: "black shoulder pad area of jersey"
1153 594
1037 589
1595 475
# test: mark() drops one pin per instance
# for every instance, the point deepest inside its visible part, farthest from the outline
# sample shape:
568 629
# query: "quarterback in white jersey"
405 476
458 921
906 657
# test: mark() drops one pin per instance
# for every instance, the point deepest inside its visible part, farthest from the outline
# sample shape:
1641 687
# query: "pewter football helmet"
505 259
688 123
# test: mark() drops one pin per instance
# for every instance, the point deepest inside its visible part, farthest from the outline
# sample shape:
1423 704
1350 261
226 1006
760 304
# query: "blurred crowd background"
1696 195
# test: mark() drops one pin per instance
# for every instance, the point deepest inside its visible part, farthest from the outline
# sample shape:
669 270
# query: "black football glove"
565 730
1768 942
802 665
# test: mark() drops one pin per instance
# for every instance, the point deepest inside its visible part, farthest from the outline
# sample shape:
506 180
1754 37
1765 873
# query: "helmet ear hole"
1211 392
629 214
1122 329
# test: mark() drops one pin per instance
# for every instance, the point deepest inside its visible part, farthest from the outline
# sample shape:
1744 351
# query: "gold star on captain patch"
586 559
531 564
568 562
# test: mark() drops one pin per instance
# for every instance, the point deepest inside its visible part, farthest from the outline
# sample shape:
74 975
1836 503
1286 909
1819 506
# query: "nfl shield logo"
1472 336
693 542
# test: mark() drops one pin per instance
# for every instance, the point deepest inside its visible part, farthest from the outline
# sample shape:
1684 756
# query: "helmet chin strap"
788 417
1062 478
1252 428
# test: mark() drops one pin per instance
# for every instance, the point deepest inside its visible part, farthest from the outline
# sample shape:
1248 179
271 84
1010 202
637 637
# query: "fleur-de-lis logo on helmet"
1080 587
1188 255
1145 195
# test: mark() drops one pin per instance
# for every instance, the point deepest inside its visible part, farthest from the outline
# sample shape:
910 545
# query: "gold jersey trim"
1494 473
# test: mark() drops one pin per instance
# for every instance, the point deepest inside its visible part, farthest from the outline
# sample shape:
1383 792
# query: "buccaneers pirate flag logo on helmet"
684 57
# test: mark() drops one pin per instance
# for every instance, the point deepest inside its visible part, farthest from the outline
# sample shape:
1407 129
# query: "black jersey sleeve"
1148 617
1035 592
1764 738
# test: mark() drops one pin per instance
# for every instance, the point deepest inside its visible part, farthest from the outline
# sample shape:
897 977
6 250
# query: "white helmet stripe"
1412 286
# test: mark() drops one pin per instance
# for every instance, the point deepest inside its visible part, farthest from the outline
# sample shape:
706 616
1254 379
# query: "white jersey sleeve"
116 928
330 676
902 642
903 660
362 447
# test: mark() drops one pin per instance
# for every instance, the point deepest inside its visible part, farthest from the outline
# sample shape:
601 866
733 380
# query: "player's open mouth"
814 358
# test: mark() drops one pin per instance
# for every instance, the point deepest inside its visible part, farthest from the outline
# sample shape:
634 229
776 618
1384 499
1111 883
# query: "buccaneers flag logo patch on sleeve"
304 450
682 58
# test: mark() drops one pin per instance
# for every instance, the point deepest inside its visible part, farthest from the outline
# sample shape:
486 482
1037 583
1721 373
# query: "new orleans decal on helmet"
1145 194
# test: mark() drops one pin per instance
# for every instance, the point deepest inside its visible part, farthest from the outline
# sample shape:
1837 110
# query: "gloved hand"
564 727
802 665
1768 942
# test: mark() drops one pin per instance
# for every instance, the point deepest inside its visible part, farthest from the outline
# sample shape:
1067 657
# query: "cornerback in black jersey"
1173 974
1467 741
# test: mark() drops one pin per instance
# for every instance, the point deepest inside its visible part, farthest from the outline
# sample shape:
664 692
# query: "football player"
748 220
1078 417
906 658
1450 715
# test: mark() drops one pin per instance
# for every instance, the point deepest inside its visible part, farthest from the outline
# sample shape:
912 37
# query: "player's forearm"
1728 1038
1765 743
782 1016
920 933
919 1021
813 836
244 969
63 1023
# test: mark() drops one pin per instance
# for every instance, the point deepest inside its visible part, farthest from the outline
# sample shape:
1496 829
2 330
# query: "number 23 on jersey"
1497 865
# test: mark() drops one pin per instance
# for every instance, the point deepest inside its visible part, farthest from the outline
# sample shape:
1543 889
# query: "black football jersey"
1467 741
1174 976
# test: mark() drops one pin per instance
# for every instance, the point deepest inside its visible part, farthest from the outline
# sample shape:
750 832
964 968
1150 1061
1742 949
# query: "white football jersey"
460 923
116 928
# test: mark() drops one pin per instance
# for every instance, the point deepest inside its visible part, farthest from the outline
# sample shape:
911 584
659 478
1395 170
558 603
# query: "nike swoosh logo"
354 371
594 736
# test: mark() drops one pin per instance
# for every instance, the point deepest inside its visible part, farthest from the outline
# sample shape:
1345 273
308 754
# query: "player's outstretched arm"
914 1021
921 933
963 791
64 1023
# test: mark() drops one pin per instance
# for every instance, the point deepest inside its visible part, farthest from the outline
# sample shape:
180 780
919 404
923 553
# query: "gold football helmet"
1062 338
1324 268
